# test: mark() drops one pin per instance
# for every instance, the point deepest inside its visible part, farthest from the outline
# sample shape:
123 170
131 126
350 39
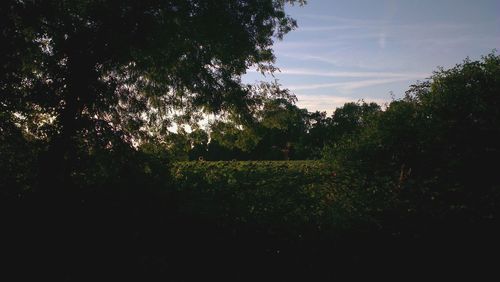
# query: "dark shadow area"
147 240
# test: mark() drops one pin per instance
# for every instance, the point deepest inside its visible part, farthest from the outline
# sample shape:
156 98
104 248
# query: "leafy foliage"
270 194
431 153
279 131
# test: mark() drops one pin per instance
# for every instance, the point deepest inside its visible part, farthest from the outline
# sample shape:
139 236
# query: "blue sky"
346 50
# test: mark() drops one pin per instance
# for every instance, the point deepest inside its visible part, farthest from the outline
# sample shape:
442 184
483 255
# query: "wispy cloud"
343 20
346 86
307 57
358 74
301 45
363 79
382 40
334 22
350 74
330 103
328 28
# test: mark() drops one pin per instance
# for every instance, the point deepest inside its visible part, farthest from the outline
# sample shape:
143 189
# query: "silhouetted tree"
93 73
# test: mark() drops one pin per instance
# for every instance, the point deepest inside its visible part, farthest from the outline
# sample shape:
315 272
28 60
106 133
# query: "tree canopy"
89 66
87 73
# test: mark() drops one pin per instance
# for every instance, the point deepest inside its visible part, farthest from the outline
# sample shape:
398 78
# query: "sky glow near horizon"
347 50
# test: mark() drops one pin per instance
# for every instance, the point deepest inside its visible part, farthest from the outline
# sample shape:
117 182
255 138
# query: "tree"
283 126
85 73
276 129
199 144
433 152
351 118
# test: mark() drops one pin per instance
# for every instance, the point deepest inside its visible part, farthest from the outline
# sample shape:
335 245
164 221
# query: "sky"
347 50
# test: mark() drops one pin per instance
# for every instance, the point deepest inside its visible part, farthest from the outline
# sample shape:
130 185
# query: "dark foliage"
423 170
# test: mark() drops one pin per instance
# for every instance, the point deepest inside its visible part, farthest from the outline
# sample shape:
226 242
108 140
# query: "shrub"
270 194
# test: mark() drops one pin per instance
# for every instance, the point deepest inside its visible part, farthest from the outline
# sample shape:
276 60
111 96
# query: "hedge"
271 194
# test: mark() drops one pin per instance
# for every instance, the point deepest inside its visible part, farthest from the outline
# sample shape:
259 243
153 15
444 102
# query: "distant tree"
178 145
276 129
352 117
317 136
283 125
199 144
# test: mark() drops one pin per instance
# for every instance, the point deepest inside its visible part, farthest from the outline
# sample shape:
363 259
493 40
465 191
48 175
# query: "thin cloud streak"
382 40
329 103
347 21
327 28
353 23
346 86
291 71
349 74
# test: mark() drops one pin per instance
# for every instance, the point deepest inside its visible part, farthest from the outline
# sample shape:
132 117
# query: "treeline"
278 131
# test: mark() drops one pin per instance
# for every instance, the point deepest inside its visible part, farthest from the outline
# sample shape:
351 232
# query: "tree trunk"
62 155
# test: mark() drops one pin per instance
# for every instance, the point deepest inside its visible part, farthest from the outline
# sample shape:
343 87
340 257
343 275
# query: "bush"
271 194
